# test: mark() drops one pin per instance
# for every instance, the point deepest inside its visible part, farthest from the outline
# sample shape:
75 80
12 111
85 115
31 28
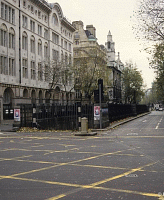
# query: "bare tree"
58 73
150 20
89 65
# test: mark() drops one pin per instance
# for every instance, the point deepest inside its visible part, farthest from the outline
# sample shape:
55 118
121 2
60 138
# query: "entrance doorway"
8 111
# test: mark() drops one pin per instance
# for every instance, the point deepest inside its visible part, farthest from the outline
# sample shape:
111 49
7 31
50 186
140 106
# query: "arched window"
40 97
39 47
11 38
55 20
3 35
32 43
33 96
47 97
24 41
25 93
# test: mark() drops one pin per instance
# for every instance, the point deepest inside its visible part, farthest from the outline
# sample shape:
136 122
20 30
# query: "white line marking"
159 123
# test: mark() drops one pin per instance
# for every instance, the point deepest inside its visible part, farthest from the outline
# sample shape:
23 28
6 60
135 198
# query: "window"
40 72
45 33
7 13
55 54
11 67
39 47
24 19
32 26
65 45
61 42
39 30
46 50
13 17
45 18
66 58
55 19
39 14
24 41
32 9
3 65
3 35
69 47
76 42
24 66
70 59
46 73
11 38
24 3
77 94
62 56
32 41
55 38
33 70
2 10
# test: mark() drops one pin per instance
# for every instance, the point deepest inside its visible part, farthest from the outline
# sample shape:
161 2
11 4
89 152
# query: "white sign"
17 115
96 112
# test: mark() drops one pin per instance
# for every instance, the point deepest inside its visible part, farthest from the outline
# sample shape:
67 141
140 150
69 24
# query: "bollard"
84 125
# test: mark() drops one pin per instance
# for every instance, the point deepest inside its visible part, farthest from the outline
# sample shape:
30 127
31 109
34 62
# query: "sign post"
100 105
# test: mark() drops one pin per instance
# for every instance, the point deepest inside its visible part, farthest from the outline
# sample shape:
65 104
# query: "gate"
8 112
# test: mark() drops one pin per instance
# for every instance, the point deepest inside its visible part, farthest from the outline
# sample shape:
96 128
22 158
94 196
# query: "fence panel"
65 117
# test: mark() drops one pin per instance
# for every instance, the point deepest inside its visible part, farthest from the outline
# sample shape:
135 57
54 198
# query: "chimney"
78 24
92 29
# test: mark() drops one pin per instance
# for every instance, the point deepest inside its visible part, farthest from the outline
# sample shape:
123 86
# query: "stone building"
116 66
90 58
31 32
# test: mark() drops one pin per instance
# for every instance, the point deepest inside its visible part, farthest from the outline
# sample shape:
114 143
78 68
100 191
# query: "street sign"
17 115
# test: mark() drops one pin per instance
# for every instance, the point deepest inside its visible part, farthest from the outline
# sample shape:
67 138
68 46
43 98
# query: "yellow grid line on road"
94 185
58 164
15 158
91 186
62 164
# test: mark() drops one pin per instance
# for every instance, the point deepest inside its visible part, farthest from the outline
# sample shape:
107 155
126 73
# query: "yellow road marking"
91 186
2 159
62 164
58 197
58 164
121 175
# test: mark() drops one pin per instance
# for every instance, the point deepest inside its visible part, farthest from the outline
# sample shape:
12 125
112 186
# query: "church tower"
110 46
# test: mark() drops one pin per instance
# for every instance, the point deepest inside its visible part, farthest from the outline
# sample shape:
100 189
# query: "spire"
109 33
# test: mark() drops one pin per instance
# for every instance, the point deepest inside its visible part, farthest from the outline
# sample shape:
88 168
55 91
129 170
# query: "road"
124 163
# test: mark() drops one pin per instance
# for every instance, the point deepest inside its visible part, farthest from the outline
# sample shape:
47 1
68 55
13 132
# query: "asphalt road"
124 163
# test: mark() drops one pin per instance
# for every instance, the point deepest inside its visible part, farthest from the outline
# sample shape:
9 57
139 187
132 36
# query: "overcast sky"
113 15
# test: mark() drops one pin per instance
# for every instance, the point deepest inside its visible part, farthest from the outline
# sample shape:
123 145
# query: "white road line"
159 123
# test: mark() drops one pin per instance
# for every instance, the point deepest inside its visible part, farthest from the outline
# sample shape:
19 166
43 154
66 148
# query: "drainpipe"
20 43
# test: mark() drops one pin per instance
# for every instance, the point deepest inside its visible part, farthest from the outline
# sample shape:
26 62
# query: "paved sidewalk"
6 125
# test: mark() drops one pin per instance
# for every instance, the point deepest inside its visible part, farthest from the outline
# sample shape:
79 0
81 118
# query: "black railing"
55 116
65 117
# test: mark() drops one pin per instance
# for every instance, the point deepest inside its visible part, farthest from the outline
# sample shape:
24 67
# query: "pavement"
6 125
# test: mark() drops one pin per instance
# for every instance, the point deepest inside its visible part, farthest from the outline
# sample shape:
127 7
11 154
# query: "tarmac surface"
125 161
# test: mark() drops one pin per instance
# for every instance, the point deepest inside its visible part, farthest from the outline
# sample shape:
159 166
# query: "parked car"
160 109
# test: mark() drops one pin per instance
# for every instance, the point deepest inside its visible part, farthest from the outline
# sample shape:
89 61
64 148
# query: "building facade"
116 67
32 34
90 59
